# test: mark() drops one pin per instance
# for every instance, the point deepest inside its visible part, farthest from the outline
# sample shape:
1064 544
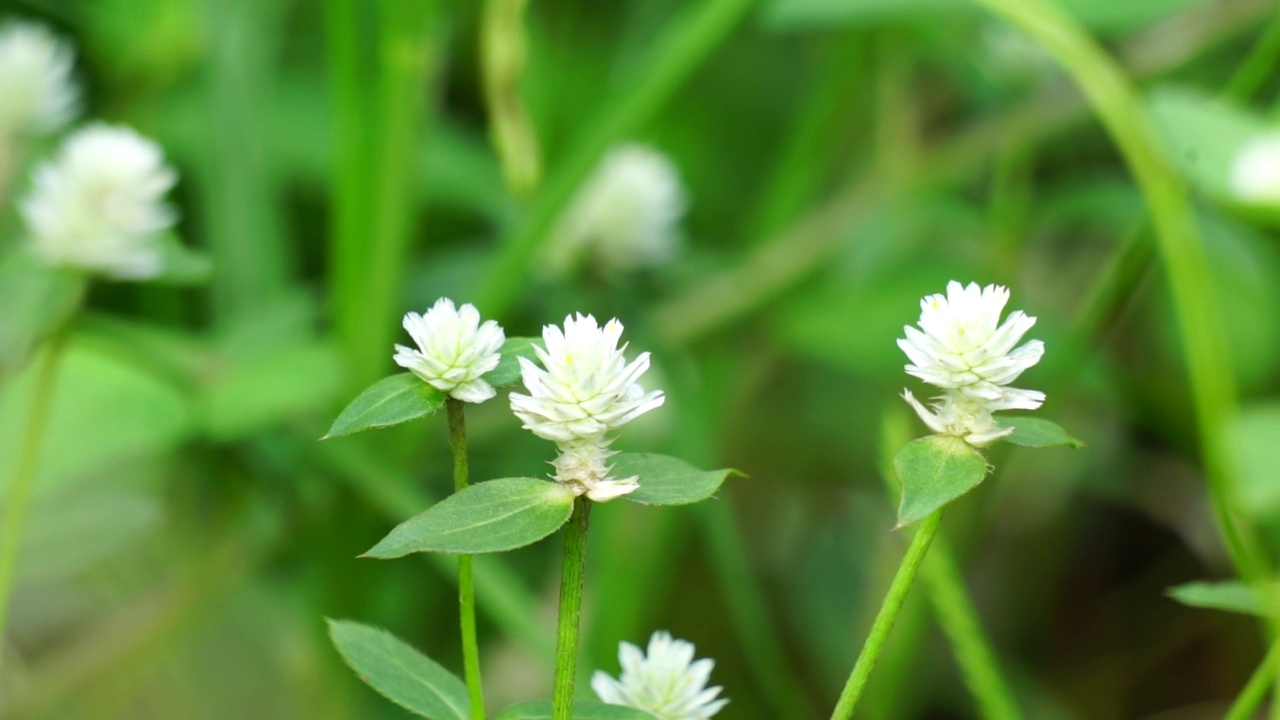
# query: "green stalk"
466 588
575 566
502 59
1258 66
1256 689
681 48
898 590
959 621
1212 385
22 486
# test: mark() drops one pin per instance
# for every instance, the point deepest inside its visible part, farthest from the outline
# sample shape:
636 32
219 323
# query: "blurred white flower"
454 350
99 204
962 348
625 215
1255 173
37 94
586 389
667 683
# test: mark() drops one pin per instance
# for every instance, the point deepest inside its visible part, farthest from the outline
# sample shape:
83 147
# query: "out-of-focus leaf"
390 401
259 387
582 710
180 265
935 470
667 480
1230 596
34 300
1255 453
81 530
508 370
1202 136
1037 433
105 412
493 516
398 671
1102 16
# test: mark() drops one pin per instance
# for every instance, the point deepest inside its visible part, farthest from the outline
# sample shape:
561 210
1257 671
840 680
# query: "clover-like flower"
964 349
625 216
584 389
98 205
1255 172
666 683
454 350
37 94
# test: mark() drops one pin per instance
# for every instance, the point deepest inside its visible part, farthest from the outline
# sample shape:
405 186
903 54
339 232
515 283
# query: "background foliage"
842 159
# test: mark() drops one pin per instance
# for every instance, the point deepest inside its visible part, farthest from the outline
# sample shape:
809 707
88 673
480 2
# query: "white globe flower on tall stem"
454 350
962 348
665 682
99 206
584 389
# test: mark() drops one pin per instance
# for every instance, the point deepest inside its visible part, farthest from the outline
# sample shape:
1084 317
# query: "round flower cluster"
1255 173
584 389
454 350
624 217
98 205
962 348
37 95
666 683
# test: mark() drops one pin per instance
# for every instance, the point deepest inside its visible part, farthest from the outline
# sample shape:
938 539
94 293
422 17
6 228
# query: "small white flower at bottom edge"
666 682
454 350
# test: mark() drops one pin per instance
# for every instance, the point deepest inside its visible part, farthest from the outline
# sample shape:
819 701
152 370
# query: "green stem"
1256 689
23 484
1187 268
502 55
885 618
466 588
575 565
959 621
1258 66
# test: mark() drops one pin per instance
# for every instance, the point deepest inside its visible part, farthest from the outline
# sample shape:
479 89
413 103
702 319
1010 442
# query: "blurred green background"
841 159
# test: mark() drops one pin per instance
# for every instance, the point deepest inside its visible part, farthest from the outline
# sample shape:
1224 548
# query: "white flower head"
454 350
37 94
584 388
99 204
625 216
964 349
666 683
1255 172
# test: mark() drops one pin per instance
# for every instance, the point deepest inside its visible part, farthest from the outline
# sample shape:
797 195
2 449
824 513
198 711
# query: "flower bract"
962 348
665 681
583 389
454 350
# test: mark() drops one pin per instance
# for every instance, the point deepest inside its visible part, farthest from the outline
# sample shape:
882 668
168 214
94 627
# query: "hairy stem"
575 565
883 624
466 588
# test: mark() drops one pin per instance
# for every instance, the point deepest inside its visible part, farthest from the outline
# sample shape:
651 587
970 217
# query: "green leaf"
582 710
400 673
390 401
1037 433
1202 136
180 265
935 470
1231 596
492 516
1255 456
508 370
34 300
667 480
